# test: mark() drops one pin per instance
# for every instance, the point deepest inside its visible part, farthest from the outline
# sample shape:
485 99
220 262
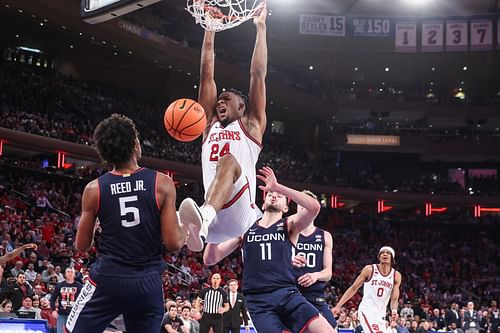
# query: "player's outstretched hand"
269 179
29 246
260 19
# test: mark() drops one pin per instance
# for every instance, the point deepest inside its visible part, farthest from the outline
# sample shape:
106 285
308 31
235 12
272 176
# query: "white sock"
208 212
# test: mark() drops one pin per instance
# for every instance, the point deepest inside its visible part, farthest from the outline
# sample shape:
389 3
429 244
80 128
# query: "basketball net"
219 15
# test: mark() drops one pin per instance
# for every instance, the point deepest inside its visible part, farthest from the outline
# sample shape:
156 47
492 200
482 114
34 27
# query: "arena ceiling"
331 59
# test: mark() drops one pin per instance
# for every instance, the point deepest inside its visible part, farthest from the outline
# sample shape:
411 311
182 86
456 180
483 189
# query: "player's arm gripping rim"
353 289
256 118
207 95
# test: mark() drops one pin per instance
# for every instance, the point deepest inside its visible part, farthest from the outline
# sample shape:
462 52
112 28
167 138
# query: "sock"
208 212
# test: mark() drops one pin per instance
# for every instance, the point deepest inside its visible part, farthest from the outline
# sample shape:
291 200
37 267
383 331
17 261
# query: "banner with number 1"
406 36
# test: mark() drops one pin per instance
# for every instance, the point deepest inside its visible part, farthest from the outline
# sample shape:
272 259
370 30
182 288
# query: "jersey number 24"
217 152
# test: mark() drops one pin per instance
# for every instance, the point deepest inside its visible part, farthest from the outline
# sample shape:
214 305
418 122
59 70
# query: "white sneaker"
191 217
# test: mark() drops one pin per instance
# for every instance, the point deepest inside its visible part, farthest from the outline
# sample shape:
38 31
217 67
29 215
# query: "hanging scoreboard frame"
97 11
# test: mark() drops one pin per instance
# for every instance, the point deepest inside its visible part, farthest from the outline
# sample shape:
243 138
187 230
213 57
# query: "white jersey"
377 291
235 140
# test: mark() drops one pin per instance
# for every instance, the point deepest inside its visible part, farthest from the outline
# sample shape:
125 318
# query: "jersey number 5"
124 210
217 153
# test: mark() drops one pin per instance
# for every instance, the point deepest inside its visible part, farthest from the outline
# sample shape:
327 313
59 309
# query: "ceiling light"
387 69
311 67
195 86
356 69
433 69
464 68
129 52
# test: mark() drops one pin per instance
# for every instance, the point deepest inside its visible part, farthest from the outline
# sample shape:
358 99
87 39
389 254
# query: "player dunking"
136 210
269 283
231 147
380 285
314 249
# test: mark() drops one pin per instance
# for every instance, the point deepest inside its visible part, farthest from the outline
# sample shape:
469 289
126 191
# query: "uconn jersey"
266 258
235 140
377 291
311 248
129 215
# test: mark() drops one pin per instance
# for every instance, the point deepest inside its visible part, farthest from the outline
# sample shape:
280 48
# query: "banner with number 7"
481 34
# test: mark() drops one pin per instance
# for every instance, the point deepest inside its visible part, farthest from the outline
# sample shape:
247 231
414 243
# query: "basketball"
185 119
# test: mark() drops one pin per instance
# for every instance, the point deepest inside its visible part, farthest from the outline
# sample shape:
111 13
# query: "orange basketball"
185 119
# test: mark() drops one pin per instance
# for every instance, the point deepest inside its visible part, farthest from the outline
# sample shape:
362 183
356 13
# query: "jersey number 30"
217 152
124 211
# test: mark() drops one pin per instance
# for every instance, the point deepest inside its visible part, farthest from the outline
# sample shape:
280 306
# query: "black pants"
232 329
211 320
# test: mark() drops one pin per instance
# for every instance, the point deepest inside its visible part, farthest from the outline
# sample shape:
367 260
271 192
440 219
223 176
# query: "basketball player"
136 211
231 147
269 283
380 285
314 249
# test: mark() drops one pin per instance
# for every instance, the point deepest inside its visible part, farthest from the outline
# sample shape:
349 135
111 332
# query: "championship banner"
406 36
432 36
498 33
481 34
457 35
322 25
373 140
371 26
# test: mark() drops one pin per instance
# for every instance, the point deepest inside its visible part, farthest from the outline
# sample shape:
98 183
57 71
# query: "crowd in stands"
55 106
441 263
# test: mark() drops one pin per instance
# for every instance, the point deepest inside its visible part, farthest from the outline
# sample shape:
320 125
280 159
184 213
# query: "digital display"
23 326
91 5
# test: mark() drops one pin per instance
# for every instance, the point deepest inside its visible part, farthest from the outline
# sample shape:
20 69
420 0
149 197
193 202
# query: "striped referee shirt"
213 299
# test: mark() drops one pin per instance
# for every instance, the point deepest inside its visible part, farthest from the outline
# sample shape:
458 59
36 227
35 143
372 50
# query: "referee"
215 303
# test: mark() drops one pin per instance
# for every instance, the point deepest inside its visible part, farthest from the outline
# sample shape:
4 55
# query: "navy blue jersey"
311 247
267 258
129 215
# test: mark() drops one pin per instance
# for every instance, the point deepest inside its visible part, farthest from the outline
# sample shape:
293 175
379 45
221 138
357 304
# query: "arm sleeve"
225 299
244 313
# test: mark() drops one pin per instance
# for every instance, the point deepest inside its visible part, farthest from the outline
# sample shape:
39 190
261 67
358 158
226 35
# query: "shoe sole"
190 216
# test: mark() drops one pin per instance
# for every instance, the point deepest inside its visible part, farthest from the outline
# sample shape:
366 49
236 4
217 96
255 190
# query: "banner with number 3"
457 35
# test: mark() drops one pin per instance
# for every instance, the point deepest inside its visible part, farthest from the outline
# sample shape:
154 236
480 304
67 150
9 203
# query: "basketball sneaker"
196 219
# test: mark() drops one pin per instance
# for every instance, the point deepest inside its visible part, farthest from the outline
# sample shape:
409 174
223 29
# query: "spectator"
30 273
49 273
6 306
17 268
471 319
46 314
16 290
171 323
424 326
65 294
28 307
407 311
453 316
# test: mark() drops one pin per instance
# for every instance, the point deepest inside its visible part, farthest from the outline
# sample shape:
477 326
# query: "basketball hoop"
218 15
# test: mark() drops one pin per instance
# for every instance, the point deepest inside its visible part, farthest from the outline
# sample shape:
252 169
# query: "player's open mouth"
221 111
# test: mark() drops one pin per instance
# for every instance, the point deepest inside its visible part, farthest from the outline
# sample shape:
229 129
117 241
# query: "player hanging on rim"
380 285
231 147
313 255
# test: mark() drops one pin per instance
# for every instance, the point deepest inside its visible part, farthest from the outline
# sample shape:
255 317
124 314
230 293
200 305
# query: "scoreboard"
97 11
